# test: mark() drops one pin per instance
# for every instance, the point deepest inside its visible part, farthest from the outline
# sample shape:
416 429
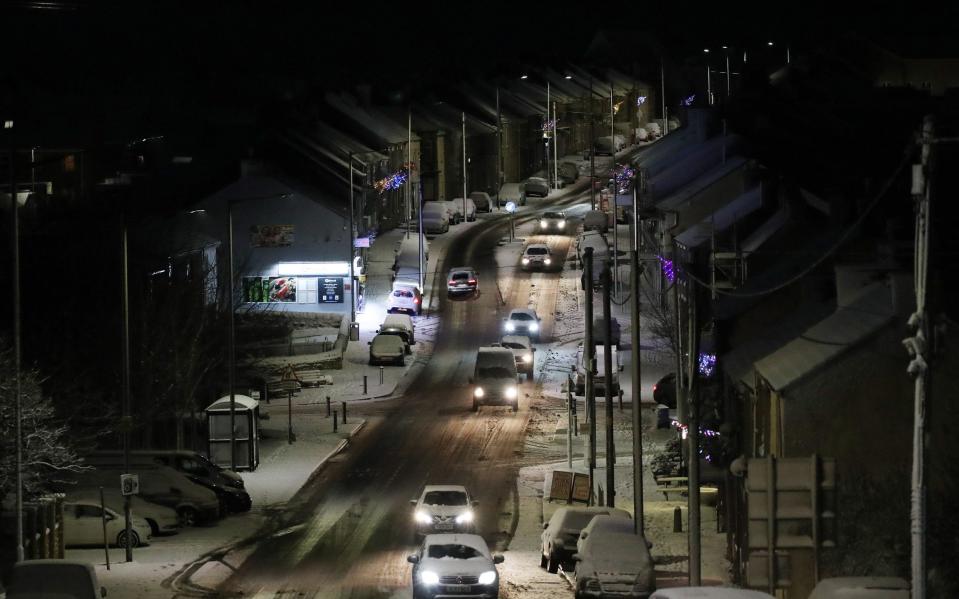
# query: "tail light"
416 300
452 282
472 281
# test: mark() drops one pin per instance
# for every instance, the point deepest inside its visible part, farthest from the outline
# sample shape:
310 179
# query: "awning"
843 329
721 219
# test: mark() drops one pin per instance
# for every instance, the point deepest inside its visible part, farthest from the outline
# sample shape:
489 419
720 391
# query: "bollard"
328 412
344 412
334 420
620 400
381 375
677 519
364 385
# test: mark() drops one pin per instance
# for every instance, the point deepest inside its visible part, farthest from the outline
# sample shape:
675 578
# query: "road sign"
511 207
129 484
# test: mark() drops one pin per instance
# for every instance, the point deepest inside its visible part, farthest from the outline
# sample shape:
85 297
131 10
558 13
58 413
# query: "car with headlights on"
536 255
553 222
522 321
561 533
455 565
441 509
536 186
613 561
494 381
523 350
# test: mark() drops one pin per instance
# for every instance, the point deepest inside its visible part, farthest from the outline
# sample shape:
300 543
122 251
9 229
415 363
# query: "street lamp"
709 81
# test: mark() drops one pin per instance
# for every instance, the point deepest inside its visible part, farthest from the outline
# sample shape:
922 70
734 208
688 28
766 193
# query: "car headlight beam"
527 358
464 518
422 517
427 577
488 577
525 261
562 224
546 261
510 326
533 327
510 393
478 392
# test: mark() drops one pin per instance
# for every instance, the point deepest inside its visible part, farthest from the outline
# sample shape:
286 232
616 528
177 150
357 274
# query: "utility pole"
499 144
464 165
695 533
608 388
588 360
662 92
352 251
555 147
126 419
728 87
709 80
678 334
231 339
592 150
919 363
409 170
636 371
17 356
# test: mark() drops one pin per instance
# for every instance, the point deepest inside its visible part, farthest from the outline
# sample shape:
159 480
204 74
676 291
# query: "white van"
494 381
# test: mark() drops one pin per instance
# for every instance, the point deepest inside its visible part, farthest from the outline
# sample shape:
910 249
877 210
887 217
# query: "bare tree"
48 454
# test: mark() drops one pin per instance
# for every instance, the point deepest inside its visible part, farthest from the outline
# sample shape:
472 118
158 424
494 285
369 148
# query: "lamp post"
18 392
726 56
709 80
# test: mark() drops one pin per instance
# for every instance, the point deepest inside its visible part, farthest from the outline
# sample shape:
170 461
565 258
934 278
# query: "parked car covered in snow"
387 349
482 201
561 533
536 186
613 561
511 192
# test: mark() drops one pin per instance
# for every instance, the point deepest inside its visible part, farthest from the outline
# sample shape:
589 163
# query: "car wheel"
154 527
187 516
475 406
542 561
552 564
122 539
516 406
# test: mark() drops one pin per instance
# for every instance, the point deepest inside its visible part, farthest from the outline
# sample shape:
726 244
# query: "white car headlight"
525 261
543 224
546 261
510 326
427 577
510 393
478 392
487 577
527 358
533 327
464 518
422 517
562 224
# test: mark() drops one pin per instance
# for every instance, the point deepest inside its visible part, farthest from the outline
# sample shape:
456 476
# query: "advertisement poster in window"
282 289
271 236
331 290
256 289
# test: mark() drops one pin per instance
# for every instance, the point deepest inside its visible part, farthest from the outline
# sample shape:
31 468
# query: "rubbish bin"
354 331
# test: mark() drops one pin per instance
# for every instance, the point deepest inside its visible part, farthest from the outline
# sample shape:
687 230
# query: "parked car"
227 485
536 255
599 377
861 587
441 207
494 378
642 134
553 222
387 349
708 593
83 522
194 503
461 279
467 208
561 533
599 331
405 297
523 352
457 210
604 146
654 129
454 566
436 220
568 172
611 560
163 520
664 391
511 192
443 508
522 321
536 186
596 220
54 578
400 325
482 201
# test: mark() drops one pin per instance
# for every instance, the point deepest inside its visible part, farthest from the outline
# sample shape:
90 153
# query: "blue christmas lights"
668 270
689 100
707 364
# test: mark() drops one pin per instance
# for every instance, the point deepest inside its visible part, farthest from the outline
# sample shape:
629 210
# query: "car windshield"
495 372
402 293
512 345
553 215
537 251
578 519
445 498
520 316
452 551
